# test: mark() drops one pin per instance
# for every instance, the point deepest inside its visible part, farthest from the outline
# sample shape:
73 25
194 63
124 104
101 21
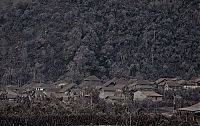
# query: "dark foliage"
49 115
54 39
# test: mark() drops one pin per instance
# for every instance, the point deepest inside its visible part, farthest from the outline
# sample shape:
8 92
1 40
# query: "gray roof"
92 78
120 86
67 87
190 83
91 81
61 82
122 81
116 97
114 80
109 89
193 108
144 82
151 93
171 84
131 81
160 80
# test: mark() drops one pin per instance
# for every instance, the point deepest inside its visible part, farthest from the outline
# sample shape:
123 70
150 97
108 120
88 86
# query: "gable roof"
190 83
114 80
120 86
197 80
92 78
182 82
171 83
131 81
109 89
116 97
122 81
193 108
144 82
160 80
67 87
61 82
151 93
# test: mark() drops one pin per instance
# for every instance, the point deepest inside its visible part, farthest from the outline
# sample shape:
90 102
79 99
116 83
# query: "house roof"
171 83
33 85
144 82
190 83
131 81
181 82
151 93
109 89
160 80
76 91
115 97
193 108
57 95
91 81
120 86
92 78
67 87
197 80
175 79
61 82
114 80
122 81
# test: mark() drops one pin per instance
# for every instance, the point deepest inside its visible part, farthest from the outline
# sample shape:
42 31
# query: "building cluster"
116 89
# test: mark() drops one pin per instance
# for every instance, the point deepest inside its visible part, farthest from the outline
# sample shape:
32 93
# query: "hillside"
47 40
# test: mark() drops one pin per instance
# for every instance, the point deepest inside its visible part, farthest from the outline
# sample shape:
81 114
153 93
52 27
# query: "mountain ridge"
49 40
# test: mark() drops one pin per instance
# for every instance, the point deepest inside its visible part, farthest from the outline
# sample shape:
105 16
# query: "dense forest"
49 40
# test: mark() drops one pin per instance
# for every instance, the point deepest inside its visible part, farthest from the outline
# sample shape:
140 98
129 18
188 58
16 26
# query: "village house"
170 85
76 93
107 91
39 87
111 83
160 80
193 111
151 95
194 108
115 87
91 81
65 90
142 85
192 84
61 83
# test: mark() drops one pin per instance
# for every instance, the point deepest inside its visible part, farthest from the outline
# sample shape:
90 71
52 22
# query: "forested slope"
46 40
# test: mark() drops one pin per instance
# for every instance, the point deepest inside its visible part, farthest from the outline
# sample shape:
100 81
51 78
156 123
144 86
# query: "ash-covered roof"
151 93
193 108
67 87
92 78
